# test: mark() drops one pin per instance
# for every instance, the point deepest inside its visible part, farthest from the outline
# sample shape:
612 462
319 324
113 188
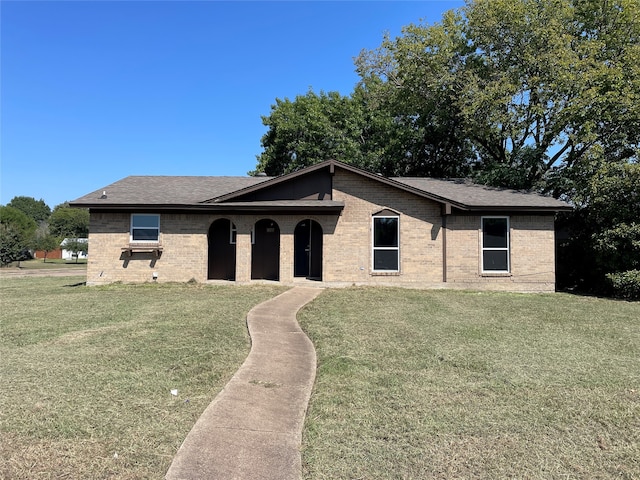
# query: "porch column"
286 256
243 257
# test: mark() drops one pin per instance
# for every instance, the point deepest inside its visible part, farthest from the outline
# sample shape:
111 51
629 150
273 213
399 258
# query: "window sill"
132 248
496 274
385 274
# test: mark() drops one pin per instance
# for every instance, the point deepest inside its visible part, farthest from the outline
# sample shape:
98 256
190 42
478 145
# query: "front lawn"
410 384
86 372
444 384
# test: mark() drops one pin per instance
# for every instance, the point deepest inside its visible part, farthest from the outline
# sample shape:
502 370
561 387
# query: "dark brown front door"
307 246
222 252
265 251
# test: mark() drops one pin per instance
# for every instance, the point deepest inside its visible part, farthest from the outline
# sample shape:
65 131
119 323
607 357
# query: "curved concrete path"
253 428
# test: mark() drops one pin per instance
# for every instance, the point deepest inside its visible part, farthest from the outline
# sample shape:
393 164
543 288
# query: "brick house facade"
330 222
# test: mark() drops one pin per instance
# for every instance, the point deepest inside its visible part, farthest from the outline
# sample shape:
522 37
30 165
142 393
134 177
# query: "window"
145 227
386 250
233 233
495 244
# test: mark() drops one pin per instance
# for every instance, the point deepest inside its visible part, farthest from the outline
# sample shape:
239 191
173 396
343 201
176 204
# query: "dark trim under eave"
218 209
283 209
510 210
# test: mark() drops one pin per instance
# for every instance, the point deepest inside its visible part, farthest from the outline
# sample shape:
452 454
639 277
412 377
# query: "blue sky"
92 92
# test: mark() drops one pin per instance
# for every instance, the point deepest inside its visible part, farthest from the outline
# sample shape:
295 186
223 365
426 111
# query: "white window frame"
373 243
157 240
495 249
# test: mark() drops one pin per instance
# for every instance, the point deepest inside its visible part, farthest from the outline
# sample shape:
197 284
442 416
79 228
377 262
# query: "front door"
307 246
265 251
222 251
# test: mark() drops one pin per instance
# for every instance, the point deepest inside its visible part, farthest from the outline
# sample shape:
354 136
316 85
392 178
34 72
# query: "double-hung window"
495 245
145 227
386 243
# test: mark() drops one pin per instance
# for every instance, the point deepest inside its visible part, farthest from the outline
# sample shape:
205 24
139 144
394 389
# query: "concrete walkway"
253 428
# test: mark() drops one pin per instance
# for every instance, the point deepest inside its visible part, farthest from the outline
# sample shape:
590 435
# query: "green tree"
534 85
76 246
310 129
364 130
36 209
45 241
11 244
16 235
604 229
66 221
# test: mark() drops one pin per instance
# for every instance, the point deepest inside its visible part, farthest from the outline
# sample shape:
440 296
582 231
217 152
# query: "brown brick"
347 252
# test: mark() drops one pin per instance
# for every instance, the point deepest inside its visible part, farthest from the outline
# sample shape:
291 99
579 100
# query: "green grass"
40 264
444 384
410 384
86 372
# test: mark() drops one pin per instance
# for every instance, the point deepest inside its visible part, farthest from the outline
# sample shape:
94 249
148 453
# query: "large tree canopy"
511 91
533 84
38 210
16 234
18 220
311 129
361 129
69 222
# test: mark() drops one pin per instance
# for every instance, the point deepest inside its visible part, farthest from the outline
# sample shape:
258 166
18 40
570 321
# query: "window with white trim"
386 243
145 227
495 245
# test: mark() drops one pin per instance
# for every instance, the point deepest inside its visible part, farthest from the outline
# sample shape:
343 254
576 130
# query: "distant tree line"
27 224
540 95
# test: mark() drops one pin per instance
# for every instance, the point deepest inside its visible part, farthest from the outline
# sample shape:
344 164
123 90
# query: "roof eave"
335 207
521 208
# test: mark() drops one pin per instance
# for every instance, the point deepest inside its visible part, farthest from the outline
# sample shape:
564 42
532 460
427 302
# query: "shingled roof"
165 190
474 196
214 193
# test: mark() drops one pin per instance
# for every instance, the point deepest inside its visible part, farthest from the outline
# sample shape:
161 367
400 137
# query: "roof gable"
459 193
308 186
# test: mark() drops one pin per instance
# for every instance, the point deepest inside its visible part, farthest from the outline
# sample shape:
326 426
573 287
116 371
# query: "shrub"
625 284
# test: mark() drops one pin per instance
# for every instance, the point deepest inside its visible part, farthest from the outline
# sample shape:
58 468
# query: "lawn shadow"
80 284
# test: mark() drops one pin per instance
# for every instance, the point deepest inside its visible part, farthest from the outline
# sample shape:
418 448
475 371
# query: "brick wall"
532 254
347 252
185 247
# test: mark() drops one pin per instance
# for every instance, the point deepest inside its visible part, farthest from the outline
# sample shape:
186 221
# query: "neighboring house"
330 222
60 252
68 254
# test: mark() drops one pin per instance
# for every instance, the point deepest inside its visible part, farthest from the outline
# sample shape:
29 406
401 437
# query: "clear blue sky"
94 91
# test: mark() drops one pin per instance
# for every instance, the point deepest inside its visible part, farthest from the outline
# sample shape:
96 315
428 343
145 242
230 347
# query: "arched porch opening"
265 251
307 250
222 250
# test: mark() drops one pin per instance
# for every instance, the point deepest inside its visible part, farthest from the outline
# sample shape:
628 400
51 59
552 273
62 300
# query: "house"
61 252
70 255
330 222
